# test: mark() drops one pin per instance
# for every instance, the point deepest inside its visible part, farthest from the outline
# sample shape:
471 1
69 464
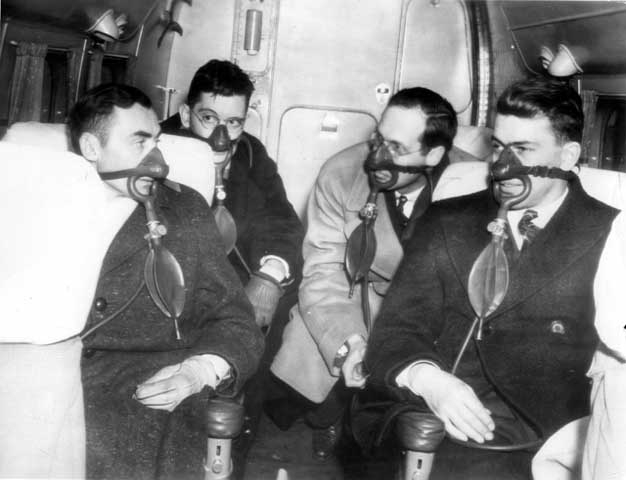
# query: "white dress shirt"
411 198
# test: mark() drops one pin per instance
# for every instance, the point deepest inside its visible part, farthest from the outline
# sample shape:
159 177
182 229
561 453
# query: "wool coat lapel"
466 235
131 237
387 259
571 232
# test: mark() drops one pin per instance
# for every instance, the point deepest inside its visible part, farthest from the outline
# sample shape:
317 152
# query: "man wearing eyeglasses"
407 158
267 253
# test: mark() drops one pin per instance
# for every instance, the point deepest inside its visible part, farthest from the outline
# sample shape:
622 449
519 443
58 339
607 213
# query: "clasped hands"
166 389
453 401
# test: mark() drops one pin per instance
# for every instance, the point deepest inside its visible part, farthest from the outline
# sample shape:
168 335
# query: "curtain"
27 82
590 99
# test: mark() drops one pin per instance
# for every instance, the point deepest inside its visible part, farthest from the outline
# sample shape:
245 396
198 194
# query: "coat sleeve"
222 313
274 229
330 315
411 315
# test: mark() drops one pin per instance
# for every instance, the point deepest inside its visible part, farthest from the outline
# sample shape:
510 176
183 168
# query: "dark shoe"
324 441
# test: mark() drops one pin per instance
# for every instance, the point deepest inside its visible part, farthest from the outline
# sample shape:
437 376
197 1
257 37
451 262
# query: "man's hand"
171 385
353 365
264 295
453 401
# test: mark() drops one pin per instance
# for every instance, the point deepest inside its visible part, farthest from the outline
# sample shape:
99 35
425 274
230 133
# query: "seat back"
607 186
190 160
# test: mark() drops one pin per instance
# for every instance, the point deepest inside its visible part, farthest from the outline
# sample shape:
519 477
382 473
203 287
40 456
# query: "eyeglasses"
210 121
396 149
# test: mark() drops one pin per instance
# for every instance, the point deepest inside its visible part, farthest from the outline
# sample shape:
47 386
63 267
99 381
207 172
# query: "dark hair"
441 122
219 77
551 98
92 112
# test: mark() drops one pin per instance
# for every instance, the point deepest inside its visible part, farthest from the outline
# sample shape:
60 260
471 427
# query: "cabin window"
114 69
54 104
612 113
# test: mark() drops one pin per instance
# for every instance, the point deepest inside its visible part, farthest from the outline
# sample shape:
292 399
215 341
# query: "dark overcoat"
536 346
266 222
126 440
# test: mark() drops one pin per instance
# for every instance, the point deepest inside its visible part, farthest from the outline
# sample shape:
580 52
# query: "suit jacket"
537 345
125 438
325 316
266 222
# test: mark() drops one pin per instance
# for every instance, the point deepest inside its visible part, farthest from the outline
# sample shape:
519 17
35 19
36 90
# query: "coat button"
557 327
88 352
100 304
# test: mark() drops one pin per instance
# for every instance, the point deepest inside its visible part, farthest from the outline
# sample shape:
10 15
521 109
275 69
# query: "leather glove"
453 401
166 389
264 292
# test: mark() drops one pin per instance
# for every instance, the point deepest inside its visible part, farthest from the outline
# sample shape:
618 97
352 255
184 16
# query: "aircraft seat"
471 143
560 449
48 179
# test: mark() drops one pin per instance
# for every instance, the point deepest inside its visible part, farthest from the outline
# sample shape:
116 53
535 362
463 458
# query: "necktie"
526 227
401 200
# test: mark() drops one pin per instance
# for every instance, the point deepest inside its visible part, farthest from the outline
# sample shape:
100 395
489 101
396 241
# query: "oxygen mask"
221 144
141 179
383 163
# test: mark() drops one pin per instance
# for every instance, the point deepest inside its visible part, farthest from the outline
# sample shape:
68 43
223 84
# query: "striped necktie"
526 227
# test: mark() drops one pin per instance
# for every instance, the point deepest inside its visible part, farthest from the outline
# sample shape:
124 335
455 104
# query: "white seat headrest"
37 134
190 160
606 185
474 140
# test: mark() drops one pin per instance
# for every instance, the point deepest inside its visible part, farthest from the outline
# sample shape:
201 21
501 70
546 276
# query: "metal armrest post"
224 422
419 434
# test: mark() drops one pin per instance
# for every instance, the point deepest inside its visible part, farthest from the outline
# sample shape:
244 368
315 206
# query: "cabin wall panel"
332 53
330 56
508 66
311 136
153 63
435 52
208 32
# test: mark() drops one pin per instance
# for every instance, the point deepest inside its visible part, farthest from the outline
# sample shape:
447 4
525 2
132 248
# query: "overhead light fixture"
545 57
102 24
564 63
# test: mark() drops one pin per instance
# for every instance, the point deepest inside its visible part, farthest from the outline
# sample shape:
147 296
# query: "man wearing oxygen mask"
265 238
169 317
497 344
407 161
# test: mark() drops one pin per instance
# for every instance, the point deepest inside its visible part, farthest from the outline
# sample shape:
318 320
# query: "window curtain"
590 100
94 77
27 82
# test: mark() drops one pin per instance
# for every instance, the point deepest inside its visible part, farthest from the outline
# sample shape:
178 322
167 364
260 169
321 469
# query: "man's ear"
570 154
435 155
185 115
89 146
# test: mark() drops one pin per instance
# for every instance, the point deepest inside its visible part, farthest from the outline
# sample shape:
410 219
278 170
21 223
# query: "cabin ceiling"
594 31
68 14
